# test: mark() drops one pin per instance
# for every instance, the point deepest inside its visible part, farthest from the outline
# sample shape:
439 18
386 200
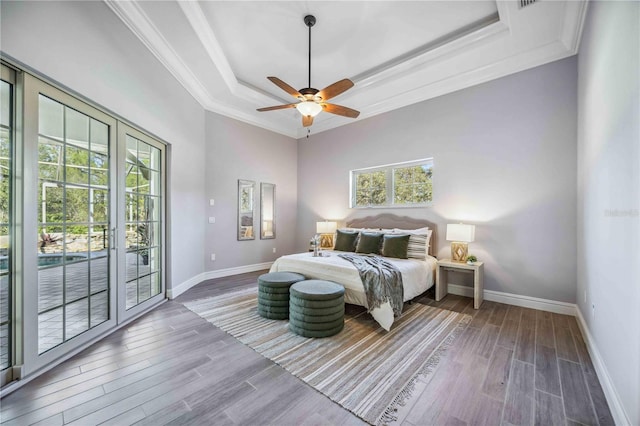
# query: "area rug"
365 369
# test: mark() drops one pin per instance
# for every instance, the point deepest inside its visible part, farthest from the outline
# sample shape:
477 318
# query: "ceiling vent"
525 3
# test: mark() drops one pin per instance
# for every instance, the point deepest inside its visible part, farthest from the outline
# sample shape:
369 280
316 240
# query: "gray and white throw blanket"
381 279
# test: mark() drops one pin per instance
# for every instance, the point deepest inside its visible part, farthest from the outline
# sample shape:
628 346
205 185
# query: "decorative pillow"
419 242
369 242
419 231
395 245
418 247
345 240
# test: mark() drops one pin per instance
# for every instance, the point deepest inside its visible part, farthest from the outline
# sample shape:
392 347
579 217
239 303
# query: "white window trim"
388 169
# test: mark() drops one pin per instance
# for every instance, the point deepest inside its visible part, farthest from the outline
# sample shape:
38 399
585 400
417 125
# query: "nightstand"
442 283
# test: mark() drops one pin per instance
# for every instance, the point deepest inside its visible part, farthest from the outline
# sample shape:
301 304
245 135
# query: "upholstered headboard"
387 220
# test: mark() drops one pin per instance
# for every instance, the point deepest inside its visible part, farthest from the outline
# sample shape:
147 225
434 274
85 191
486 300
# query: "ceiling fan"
312 101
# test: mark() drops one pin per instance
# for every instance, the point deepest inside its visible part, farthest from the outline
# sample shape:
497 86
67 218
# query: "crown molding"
516 63
209 41
406 73
137 21
574 19
439 50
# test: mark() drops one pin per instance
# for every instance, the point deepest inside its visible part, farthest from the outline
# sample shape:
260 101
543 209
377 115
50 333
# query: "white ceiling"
397 53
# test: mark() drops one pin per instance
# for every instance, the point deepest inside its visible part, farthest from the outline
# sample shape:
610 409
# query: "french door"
141 236
91 223
69 211
7 139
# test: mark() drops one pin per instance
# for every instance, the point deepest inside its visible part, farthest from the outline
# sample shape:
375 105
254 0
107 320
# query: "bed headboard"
387 220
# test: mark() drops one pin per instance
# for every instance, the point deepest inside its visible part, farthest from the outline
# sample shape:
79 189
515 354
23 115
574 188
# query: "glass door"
82 208
69 216
7 88
142 191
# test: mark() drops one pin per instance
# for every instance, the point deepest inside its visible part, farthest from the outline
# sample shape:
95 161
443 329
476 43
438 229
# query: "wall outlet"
212 219
212 202
274 249
213 256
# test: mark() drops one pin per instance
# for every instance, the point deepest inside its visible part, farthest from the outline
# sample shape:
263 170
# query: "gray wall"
235 151
608 291
85 47
504 159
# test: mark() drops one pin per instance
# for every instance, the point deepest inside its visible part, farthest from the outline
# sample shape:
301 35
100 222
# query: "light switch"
212 219
212 202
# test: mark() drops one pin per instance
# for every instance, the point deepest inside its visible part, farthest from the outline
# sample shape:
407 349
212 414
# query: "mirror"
267 211
246 190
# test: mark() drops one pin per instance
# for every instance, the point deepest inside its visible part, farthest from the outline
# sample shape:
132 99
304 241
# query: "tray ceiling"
396 53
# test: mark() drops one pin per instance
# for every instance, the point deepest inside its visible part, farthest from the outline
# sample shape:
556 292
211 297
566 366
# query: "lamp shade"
461 232
307 108
326 227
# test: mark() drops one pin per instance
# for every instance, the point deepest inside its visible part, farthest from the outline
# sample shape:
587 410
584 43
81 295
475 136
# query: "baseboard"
615 405
172 293
176 291
617 409
518 300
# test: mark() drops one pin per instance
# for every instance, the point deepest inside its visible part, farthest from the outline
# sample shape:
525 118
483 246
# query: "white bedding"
417 277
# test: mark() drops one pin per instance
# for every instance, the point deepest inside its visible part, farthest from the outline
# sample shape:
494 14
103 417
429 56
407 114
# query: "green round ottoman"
316 308
273 294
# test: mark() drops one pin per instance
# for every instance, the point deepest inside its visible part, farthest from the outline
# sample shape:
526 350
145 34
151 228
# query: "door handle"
113 239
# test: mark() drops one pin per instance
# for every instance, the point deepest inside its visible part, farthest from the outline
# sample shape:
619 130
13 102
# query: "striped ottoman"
273 294
316 308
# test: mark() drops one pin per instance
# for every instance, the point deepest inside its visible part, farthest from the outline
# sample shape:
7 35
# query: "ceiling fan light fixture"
312 101
309 108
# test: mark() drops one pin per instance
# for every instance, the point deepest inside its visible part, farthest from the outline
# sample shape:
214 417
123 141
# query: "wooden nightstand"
442 282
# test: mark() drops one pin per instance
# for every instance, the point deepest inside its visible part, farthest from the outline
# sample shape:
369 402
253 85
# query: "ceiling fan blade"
307 120
340 110
335 89
272 108
284 86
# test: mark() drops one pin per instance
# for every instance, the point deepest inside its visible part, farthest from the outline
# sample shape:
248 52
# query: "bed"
417 275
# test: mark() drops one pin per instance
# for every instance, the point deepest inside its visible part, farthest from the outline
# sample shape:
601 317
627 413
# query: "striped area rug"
363 368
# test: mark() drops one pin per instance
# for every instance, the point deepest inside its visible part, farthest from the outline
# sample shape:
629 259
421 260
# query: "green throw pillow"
345 241
369 242
395 246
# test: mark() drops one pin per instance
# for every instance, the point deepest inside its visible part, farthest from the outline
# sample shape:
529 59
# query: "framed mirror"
267 211
246 210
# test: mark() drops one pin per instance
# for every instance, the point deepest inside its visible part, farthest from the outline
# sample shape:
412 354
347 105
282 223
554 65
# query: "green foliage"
5 180
65 173
371 189
411 185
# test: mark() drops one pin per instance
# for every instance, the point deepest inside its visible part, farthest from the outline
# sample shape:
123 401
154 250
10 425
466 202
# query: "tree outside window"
413 185
371 189
406 184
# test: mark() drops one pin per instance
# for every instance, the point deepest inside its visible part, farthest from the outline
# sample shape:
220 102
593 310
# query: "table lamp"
460 235
326 230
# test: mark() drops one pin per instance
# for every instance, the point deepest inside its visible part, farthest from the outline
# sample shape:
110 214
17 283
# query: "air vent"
525 3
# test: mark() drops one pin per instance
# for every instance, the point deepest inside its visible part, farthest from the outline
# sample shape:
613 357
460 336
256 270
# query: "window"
408 184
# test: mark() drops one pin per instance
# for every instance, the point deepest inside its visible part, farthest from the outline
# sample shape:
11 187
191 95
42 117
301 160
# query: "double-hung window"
408 184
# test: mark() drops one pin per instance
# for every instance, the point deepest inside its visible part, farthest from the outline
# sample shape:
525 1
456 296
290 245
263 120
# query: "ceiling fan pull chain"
308 132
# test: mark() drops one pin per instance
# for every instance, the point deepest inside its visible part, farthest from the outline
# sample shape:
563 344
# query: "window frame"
389 184
9 76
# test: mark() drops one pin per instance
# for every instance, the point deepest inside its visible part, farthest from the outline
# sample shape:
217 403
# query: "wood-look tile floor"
511 366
